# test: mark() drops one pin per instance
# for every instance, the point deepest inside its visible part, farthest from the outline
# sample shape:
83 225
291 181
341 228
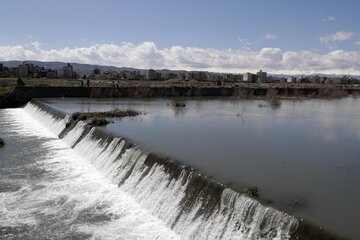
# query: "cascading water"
190 204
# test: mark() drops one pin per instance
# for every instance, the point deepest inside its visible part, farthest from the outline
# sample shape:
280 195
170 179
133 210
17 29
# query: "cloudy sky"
278 36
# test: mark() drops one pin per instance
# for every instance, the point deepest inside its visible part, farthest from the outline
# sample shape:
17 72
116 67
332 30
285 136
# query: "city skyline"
233 36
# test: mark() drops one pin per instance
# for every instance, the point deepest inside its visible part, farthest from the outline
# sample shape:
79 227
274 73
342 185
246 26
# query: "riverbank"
23 94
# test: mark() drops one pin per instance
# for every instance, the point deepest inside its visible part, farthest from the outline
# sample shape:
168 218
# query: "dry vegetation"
5 90
115 113
178 102
250 191
99 118
42 82
96 121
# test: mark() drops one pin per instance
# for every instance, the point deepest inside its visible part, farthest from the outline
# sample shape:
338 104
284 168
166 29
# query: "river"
303 156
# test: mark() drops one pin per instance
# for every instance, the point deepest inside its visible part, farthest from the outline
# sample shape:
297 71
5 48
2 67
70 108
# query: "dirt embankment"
21 95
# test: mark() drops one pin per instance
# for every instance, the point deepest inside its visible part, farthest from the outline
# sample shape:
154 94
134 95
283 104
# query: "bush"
250 191
78 116
98 122
121 113
113 113
178 103
20 82
275 103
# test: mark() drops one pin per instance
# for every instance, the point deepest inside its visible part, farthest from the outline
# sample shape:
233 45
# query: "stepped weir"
191 204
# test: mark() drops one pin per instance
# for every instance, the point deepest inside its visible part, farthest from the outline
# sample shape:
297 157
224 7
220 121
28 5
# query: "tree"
20 82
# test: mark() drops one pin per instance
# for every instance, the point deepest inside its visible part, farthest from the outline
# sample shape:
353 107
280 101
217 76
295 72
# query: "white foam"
70 188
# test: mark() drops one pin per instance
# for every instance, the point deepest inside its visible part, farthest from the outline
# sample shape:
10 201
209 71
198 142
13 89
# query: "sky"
278 36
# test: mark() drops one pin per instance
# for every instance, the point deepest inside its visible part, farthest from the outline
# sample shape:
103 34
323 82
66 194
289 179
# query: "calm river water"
303 156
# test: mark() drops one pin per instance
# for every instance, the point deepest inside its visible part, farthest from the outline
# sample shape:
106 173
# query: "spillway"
169 200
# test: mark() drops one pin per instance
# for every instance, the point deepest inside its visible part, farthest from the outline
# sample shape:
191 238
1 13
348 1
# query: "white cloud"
357 43
16 52
269 36
36 45
339 36
329 19
148 55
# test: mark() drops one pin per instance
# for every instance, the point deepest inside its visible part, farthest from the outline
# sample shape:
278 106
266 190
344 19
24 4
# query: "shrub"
98 122
121 113
78 116
250 191
178 103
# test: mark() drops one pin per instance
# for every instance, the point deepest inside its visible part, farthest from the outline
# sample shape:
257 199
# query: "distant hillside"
88 68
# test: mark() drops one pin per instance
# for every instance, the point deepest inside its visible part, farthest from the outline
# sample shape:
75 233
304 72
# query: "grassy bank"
5 90
11 82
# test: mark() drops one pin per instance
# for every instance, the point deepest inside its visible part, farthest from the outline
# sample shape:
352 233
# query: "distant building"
68 71
15 71
249 77
169 75
25 69
238 77
134 75
314 79
4 71
261 76
188 76
199 76
181 76
37 72
291 79
214 77
51 74
153 75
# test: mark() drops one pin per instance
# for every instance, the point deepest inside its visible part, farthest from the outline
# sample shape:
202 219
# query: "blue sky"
317 26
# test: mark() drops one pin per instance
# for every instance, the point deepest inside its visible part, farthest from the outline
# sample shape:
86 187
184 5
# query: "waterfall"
189 203
54 123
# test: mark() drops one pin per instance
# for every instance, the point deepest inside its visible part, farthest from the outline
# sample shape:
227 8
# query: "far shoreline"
18 95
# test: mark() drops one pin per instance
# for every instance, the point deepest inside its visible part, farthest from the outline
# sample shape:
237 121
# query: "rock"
250 191
2 142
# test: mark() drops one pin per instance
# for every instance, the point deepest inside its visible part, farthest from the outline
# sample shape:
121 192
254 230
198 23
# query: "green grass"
5 90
